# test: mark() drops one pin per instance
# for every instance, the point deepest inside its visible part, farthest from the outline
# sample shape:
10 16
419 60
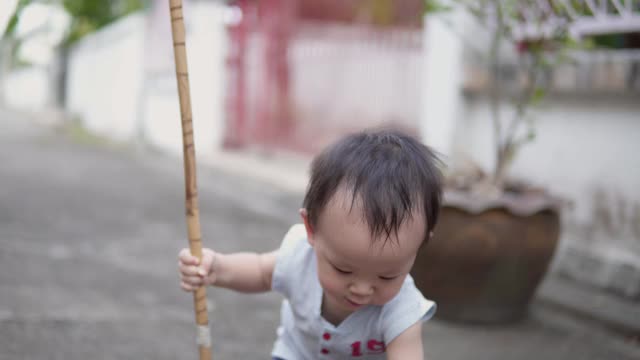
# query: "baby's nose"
361 289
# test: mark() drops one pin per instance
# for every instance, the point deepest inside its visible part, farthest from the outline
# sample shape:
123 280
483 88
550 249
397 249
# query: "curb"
610 311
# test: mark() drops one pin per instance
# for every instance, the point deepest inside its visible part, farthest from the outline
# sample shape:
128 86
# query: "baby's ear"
304 214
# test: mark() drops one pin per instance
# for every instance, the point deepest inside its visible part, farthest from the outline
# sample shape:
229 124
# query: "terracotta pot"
487 257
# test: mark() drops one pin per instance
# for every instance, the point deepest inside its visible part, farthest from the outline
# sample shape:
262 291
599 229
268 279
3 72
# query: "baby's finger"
195 281
186 287
188 270
207 263
186 258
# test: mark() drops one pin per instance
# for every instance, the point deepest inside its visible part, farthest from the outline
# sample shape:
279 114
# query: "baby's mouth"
353 303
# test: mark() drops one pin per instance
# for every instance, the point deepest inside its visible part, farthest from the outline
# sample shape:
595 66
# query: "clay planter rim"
521 204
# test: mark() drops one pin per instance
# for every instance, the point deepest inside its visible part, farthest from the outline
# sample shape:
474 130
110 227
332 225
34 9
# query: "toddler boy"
373 199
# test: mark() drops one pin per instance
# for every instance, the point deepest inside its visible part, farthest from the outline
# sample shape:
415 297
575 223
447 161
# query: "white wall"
104 78
583 147
206 52
27 89
442 99
122 84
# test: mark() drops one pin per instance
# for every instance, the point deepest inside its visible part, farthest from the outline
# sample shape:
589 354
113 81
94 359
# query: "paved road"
88 242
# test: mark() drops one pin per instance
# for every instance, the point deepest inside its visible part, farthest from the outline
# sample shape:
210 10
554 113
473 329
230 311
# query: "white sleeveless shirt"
304 334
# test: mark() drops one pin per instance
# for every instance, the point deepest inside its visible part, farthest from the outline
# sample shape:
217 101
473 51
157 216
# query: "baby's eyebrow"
338 263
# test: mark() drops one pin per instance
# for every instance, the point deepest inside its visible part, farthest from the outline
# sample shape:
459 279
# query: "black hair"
391 173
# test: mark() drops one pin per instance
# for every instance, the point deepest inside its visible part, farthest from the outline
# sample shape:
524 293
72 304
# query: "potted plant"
496 236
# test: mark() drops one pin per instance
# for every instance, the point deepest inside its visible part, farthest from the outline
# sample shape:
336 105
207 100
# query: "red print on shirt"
373 347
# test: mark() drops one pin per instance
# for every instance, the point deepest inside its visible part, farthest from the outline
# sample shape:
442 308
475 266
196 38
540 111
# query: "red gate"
302 73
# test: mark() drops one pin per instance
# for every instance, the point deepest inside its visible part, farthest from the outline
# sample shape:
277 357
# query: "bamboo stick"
191 189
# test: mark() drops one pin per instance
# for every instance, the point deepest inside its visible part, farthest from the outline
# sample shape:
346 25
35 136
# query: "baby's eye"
387 277
341 271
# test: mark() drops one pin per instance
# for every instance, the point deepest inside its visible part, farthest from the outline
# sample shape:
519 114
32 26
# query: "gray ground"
88 242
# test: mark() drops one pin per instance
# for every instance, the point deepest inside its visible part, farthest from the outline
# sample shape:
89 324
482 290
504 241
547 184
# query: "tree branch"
523 103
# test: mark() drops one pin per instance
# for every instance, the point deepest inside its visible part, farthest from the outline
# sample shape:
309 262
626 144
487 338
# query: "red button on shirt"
324 351
326 336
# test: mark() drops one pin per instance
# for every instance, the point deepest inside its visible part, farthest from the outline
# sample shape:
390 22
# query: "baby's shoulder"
294 245
294 261
408 298
405 309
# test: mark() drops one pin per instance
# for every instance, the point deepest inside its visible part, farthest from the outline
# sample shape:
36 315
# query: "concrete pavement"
88 242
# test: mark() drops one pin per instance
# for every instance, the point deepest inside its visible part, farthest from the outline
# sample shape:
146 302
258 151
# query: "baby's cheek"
388 292
329 283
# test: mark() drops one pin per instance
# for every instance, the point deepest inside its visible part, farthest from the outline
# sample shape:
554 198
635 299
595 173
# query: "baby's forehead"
344 200
346 209
374 259
350 240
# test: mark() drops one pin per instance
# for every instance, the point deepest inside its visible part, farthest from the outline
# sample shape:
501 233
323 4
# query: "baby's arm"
408 345
244 272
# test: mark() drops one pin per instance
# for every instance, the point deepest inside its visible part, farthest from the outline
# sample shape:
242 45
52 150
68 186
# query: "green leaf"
11 27
537 96
15 18
435 6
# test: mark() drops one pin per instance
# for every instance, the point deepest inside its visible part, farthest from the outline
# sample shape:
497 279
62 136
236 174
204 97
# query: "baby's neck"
332 314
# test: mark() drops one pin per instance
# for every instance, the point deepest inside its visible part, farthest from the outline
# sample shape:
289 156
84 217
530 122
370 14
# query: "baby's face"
353 268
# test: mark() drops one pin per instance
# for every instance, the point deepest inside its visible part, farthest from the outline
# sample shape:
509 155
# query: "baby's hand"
193 276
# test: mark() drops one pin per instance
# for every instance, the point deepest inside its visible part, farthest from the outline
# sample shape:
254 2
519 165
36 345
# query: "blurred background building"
292 75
